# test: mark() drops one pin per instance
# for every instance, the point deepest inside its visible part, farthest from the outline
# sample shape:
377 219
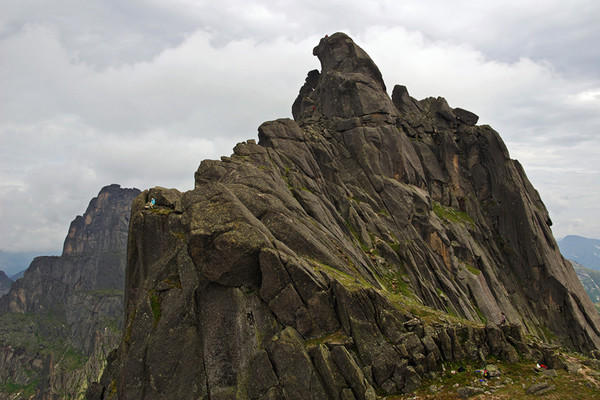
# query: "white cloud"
140 94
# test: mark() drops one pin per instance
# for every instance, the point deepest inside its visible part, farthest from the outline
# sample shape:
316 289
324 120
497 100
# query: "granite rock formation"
347 255
65 315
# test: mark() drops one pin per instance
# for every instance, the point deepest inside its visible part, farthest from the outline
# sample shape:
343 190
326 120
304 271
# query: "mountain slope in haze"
347 255
582 250
5 283
58 322
590 279
18 275
14 262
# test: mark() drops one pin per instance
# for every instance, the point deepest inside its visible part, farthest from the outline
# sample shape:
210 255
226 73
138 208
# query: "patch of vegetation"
349 281
112 324
39 336
452 215
286 178
72 359
383 212
112 390
548 333
32 331
337 337
155 306
352 230
515 378
161 210
482 317
395 246
26 391
394 281
354 199
472 269
354 233
401 297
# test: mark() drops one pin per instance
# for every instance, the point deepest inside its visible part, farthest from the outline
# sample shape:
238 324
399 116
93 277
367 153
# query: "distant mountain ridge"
584 251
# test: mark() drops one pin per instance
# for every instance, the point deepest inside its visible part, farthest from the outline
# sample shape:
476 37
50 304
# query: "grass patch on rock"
472 269
452 215
155 306
337 337
23 391
349 281
513 382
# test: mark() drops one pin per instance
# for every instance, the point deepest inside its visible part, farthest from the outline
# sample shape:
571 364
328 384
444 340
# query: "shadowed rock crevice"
347 255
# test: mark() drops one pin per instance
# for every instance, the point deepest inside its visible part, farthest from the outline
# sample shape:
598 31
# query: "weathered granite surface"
345 256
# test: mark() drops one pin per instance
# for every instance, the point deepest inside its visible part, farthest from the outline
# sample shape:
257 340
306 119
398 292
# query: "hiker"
150 204
502 318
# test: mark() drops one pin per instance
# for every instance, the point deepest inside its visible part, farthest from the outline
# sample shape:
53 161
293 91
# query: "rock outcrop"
347 255
59 322
5 283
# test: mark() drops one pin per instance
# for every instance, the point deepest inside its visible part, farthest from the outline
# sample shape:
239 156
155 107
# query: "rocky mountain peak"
351 252
339 54
103 226
349 85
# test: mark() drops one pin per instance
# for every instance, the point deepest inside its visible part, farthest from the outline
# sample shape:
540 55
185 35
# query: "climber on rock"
150 204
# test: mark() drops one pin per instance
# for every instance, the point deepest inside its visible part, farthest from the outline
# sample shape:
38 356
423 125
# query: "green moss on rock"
155 306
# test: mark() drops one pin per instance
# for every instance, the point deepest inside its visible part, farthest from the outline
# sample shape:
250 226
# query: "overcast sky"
138 93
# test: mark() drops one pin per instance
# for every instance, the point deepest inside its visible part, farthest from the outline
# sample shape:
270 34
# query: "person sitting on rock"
150 204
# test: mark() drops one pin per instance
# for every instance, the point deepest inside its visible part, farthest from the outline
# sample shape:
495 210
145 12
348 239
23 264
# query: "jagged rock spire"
338 53
349 84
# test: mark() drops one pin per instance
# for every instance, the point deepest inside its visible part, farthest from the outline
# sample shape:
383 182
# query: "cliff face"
350 252
63 317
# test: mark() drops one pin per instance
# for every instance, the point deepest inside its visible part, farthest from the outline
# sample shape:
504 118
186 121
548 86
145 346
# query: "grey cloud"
139 94
183 88
115 32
